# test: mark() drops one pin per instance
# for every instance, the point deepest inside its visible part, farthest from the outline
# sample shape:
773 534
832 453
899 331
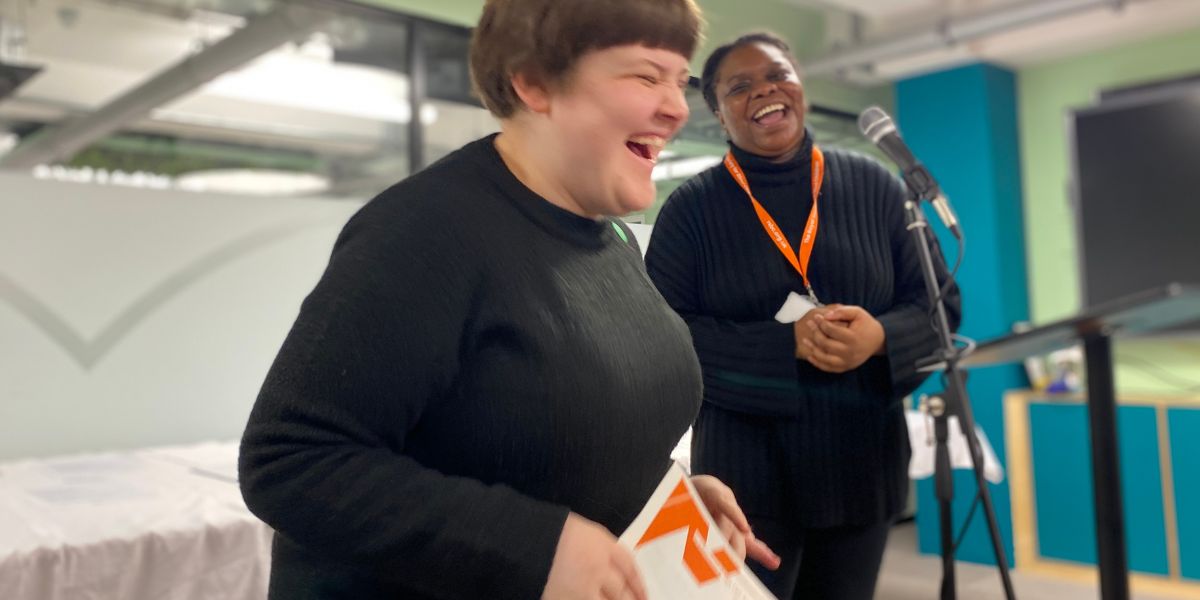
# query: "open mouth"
646 147
770 114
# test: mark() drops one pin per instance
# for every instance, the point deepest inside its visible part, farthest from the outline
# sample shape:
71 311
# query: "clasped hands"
838 338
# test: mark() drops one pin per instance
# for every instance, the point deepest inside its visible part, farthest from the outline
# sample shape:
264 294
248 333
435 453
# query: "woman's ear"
534 94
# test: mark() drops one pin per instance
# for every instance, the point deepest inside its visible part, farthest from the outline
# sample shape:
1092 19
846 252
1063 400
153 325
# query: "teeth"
653 143
770 108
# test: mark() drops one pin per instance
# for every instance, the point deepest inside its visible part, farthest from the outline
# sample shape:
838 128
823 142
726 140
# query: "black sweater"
473 363
840 448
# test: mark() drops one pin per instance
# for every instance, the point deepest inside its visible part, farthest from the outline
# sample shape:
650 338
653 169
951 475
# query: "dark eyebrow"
738 75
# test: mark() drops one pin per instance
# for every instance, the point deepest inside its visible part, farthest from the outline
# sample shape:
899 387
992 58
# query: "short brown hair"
544 38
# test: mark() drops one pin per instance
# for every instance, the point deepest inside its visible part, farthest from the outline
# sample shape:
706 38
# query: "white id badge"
795 307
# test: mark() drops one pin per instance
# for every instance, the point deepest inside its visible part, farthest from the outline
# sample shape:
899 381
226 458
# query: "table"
163 523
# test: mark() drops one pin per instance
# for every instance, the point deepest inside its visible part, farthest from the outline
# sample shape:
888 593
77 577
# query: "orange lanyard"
772 229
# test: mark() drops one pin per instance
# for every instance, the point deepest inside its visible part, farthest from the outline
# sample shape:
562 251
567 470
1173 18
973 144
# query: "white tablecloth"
161 523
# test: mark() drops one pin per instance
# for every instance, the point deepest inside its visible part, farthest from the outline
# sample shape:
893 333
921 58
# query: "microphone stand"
955 402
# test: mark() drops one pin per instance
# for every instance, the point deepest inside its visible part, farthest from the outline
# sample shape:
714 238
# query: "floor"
908 575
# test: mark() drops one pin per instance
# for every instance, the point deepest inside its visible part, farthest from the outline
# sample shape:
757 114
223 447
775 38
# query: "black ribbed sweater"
830 449
473 363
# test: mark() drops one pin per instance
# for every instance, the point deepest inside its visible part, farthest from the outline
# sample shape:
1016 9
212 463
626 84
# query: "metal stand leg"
959 404
1106 469
944 490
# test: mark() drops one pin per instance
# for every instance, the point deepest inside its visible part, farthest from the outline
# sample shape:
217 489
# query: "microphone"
878 127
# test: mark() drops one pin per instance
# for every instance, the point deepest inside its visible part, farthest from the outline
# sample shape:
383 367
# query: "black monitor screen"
1137 177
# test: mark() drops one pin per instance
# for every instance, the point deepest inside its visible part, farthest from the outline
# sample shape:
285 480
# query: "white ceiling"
1071 36
1085 30
93 51
904 9
881 8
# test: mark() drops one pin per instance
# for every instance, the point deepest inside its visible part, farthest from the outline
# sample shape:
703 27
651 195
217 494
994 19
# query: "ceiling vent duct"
948 33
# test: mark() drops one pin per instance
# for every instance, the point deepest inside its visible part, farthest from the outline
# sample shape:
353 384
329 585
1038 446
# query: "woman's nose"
675 107
762 88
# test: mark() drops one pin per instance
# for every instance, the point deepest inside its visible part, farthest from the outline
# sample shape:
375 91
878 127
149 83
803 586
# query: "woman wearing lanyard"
801 286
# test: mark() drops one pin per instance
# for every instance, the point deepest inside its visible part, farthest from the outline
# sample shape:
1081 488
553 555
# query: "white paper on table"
920 438
681 553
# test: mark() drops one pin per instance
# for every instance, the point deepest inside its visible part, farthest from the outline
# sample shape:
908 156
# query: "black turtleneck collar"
763 169
556 220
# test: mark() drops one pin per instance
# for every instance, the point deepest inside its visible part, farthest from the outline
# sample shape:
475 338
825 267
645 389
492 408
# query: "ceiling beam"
260 35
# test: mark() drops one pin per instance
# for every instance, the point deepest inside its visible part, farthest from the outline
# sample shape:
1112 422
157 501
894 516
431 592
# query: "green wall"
1046 95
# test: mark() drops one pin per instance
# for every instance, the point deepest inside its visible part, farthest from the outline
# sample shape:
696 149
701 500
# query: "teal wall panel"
1062 482
1063 485
1141 480
1184 425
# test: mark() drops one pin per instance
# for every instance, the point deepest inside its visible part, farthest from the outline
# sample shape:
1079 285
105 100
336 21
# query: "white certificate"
681 553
